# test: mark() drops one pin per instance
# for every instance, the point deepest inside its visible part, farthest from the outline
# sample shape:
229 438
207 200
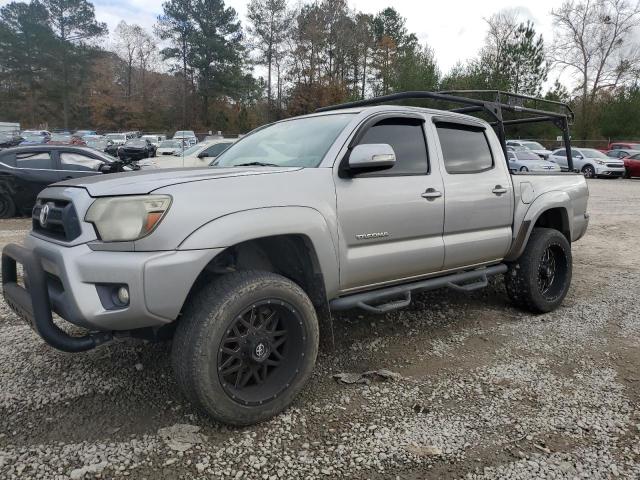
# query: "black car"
25 171
137 149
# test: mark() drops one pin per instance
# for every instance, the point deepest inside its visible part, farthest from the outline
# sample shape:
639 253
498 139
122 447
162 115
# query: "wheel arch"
295 242
549 210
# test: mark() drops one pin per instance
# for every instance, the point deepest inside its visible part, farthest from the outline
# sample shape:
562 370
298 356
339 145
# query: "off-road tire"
207 321
522 280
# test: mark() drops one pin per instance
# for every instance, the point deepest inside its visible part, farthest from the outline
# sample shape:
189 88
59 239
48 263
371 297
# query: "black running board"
463 281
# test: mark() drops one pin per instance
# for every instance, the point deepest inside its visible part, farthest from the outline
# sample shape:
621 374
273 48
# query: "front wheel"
245 346
539 280
588 171
524 169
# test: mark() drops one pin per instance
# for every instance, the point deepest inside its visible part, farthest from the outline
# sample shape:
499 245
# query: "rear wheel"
588 171
246 346
539 280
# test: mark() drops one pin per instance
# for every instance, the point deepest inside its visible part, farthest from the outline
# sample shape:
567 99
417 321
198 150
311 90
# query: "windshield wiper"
256 164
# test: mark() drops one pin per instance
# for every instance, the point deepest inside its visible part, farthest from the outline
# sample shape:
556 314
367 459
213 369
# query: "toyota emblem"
44 215
260 350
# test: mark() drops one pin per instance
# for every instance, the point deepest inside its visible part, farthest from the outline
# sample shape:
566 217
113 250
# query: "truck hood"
145 181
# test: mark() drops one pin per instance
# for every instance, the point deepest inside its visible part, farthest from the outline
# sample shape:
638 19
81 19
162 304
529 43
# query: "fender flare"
231 229
542 203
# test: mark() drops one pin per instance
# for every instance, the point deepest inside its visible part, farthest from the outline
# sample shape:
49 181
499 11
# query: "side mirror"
203 155
579 157
373 157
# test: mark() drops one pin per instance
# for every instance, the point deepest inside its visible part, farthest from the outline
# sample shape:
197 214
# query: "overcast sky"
454 29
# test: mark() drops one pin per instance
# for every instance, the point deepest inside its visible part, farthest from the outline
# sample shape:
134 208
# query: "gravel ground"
486 391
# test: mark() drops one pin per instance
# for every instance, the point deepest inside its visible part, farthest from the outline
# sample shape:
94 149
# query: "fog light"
123 295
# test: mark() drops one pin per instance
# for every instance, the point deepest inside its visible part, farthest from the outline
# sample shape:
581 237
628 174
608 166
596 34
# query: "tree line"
197 67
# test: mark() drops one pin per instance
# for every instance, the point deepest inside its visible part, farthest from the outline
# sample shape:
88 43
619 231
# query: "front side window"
561 153
217 149
300 142
406 137
77 161
465 148
40 160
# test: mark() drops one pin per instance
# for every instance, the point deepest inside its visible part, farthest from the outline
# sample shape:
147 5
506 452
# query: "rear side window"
465 148
77 161
406 137
40 160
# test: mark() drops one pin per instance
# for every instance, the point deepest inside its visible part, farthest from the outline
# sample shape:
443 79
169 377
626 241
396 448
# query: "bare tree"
594 42
126 46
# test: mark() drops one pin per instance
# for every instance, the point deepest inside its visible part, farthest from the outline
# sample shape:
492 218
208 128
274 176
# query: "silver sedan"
527 161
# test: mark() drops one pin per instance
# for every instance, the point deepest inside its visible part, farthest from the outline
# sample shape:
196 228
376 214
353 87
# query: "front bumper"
605 171
71 282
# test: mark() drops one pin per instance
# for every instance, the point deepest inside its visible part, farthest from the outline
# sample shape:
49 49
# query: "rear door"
390 227
479 195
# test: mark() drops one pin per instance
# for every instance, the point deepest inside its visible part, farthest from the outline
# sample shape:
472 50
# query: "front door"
479 196
76 164
390 228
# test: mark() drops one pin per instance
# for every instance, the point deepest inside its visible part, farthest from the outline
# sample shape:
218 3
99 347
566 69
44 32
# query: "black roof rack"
528 109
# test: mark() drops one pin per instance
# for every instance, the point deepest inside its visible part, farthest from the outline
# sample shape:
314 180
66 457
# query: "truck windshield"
301 142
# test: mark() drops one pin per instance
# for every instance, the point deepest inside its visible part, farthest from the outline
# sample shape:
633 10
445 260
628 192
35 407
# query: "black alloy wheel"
552 271
261 352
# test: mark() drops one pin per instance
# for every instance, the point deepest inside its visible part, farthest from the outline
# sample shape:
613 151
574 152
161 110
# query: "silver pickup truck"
354 207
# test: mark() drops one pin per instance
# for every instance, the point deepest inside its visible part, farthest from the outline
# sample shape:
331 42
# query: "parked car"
170 147
188 135
527 161
44 133
200 155
117 138
136 149
155 139
66 139
624 146
82 133
330 211
8 140
535 147
25 171
102 144
591 162
632 165
34 138
622 153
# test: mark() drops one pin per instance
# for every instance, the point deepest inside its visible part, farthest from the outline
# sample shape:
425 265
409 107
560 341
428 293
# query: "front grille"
61 222
614 165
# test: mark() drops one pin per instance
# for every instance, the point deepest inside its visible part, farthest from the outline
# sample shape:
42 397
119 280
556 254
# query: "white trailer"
9 127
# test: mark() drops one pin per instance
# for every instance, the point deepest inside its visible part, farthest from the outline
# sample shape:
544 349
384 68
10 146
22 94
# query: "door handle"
431 193
499 190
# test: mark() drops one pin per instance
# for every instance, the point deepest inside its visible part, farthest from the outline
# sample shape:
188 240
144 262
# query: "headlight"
599 162
122 219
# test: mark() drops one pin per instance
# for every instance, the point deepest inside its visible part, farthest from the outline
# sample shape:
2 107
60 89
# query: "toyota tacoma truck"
356 206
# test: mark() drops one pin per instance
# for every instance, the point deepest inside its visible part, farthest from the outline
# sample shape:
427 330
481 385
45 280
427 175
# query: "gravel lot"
486 391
